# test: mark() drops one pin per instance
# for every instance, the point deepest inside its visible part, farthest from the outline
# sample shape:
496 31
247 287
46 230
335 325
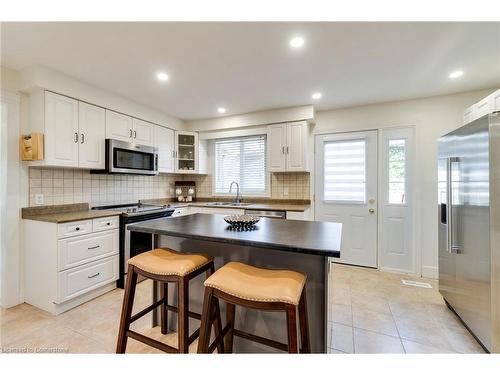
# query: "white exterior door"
396 150
165 143
92 124
276 148
118 126
143 132
346 192
61 127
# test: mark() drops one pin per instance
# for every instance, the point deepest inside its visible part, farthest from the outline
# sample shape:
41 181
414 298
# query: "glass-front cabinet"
186 152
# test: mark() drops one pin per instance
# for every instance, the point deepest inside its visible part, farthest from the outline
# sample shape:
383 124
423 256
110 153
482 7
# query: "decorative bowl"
242 222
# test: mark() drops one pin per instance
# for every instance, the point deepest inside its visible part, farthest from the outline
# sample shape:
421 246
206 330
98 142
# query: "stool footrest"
191 314
261 340
154 343
140 314
218 339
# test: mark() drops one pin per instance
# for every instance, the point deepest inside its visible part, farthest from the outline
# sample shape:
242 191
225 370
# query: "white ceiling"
249 66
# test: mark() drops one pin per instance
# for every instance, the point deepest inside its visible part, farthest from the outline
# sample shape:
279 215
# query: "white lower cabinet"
68 264
299 215
80 280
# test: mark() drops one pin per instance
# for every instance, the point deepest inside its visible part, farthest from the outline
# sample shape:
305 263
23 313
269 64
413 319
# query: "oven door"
130 158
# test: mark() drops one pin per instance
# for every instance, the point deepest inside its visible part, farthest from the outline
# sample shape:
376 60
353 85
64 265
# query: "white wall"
13 192
432 117
272 116
40 77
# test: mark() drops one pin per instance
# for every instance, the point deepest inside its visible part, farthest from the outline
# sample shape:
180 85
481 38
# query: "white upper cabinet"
60 130
276 143
92 125
296 149
143 132
164 141
495 101
119 126
186 152
287 146
468 115
483 107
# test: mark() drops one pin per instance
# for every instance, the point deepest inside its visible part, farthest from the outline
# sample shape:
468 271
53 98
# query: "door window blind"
344 171
242 160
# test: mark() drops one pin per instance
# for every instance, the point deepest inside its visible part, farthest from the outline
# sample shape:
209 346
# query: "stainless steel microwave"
130 158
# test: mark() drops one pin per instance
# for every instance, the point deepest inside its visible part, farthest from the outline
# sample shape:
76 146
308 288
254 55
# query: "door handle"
130 133
83 138
135 134
371 210
76 137
449 206
287 150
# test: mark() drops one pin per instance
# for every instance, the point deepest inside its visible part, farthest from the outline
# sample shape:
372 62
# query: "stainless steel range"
133 243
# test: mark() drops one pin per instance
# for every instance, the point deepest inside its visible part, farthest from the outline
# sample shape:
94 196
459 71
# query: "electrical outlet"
285 191
39 199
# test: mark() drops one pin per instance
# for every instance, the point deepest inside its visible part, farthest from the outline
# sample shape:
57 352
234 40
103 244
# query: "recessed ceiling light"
456 74
221 110
316 95
162 76
297 42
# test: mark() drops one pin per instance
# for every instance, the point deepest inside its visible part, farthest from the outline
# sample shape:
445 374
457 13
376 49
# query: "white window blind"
345 171
242 160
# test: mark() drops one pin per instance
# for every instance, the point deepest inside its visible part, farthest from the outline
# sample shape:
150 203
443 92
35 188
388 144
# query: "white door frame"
417 251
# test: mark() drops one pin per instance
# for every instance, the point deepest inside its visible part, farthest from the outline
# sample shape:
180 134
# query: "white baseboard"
430 272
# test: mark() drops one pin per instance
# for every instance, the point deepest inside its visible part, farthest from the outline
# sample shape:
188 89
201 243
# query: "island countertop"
307 237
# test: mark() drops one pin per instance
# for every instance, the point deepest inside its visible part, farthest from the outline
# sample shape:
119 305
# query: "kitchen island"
303 246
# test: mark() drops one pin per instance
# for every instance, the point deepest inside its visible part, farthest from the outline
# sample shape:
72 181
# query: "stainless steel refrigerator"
469 226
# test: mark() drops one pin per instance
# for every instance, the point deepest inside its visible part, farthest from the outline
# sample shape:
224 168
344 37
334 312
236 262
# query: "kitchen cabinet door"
296 148
495 101
61 130
186 152
143 132
276 148
468 115
482 107
164 141
118 126
92 125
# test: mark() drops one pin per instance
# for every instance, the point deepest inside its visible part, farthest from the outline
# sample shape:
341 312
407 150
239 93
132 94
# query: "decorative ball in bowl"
242 222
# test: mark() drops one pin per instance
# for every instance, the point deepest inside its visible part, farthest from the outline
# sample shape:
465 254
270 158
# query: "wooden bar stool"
255 288
166 266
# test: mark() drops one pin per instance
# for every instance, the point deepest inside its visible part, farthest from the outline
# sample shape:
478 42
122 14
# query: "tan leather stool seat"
258 284
168 262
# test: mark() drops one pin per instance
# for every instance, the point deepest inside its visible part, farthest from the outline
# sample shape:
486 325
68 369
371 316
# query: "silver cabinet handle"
283 150
135 134
94 247
83 138
130 133
76 137
287 150
91 277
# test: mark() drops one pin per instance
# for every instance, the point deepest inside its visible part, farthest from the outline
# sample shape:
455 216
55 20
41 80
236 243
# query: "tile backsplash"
65 186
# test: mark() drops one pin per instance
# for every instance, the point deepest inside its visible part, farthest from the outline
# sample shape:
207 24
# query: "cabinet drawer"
75 251
79 280
74 228
105 223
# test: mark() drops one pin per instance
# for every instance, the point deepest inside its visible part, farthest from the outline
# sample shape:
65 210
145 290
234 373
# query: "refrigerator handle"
449 205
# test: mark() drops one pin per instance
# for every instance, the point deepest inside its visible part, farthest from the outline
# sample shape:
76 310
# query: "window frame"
387 181
267 174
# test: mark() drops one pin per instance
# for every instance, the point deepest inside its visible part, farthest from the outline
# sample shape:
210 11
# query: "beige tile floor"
373 312
370 312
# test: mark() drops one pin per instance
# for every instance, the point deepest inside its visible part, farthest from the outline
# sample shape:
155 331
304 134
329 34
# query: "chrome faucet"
237 200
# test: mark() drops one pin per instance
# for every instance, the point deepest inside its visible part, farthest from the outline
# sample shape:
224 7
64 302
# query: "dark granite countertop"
307 237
